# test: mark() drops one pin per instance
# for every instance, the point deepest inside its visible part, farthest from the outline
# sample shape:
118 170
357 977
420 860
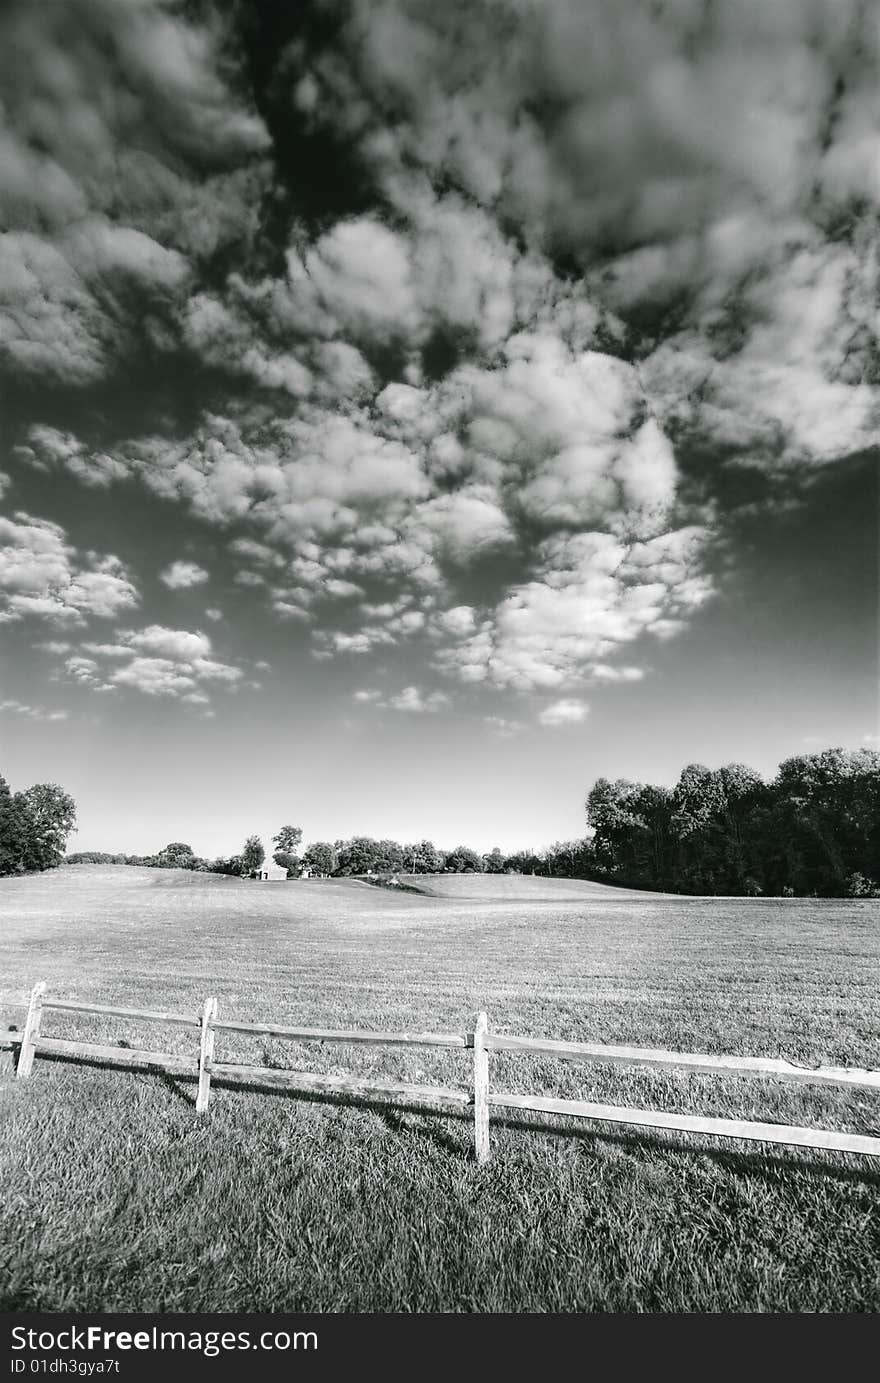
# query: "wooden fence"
31 1042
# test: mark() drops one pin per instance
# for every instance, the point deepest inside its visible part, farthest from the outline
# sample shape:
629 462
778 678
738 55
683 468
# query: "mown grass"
118 1198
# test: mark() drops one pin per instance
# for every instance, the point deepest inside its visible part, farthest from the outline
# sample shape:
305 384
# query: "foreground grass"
118 1198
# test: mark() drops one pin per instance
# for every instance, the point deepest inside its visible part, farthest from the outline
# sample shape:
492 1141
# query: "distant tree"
463 860
422 857
233 866
177 855
389 856
95 857
286 843
289 862
320 858
524 862
358 855
494 862
570 859
252 855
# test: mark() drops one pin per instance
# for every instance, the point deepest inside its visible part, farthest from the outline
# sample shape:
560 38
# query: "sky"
410 413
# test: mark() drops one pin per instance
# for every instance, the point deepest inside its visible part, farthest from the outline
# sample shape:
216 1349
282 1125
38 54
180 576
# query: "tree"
463 860
632 839
286 843
47 815
389 856
422 858
815 829
494 863
714 815
252 855
357 856
233 866
320 858
12 832
827 818
177 855
524 862
570 859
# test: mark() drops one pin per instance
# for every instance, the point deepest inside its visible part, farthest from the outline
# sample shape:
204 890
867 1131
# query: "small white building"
274 871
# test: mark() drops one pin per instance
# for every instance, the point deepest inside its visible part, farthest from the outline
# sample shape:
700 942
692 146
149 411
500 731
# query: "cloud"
415 701
156 661
597 593
180 576
412 700
48 448
117 169
605 254
170 643
698 163
33 712
44 577
565 712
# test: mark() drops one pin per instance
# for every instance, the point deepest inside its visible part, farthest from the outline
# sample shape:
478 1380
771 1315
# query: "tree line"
357 855
813 830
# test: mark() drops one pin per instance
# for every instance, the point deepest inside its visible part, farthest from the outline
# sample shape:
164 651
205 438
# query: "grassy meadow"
118 1198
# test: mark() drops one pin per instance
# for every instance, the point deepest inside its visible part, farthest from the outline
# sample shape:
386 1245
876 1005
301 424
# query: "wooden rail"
203 1065
353 1035
185 1020
688 1061
693 1123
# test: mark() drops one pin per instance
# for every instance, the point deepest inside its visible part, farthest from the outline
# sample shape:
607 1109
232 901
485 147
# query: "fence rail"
31 1043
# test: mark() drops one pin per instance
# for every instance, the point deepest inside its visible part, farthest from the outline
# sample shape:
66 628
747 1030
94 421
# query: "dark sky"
411 412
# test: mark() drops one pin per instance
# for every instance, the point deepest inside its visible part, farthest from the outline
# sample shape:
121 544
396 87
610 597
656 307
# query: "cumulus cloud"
48 448
118 155
697 162
156 661
598 592
412 700
603 241
32 712
42 576
415 701
566 712
180 576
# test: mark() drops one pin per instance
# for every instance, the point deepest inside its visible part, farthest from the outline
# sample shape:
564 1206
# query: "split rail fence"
31 1043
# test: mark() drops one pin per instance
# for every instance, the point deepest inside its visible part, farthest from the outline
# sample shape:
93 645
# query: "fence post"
31 1032
481 1089
206 1055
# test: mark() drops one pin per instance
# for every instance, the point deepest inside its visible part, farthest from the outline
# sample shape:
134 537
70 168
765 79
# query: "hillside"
524 888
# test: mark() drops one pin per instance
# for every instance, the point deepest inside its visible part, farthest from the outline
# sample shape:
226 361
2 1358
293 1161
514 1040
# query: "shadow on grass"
764 1164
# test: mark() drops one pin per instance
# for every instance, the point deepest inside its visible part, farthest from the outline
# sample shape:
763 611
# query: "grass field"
118 1198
